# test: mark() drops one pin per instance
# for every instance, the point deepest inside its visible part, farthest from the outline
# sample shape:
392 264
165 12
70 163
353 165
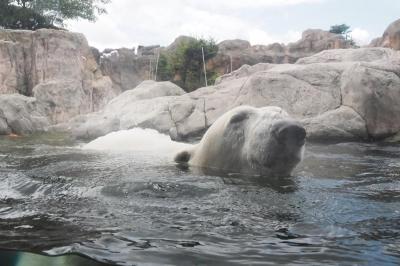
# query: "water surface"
342 206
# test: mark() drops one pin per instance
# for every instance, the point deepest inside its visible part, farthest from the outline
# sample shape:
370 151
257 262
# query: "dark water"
342 206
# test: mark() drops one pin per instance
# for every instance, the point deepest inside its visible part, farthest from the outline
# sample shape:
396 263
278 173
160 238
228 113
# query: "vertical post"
204 66
158 58
150 69
230 57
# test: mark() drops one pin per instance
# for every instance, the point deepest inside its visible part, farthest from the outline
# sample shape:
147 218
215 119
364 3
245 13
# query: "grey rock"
145 106
244 71
60 101
233 54
304 91
91 126
336 125
11 68
314 41
148 89
19 115
126 69
390 38
101 93
374 94
148 50
57 67
350 55
180 40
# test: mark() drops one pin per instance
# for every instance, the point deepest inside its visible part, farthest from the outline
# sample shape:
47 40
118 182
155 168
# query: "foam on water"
137 139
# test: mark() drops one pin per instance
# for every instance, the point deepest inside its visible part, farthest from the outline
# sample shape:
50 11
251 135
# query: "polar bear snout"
289 132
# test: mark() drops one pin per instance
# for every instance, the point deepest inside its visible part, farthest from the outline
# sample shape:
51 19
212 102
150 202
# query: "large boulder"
19 115
339 124
147 105
62 100
148 89
390 38
244 71
350 55
374 94
314 41
128 69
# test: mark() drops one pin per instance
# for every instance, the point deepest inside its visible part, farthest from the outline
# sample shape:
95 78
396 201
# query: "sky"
130 23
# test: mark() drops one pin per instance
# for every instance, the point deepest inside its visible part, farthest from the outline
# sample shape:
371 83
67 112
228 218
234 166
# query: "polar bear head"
263 141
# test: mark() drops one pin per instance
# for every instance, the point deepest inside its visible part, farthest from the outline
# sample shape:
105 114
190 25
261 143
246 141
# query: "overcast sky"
147 22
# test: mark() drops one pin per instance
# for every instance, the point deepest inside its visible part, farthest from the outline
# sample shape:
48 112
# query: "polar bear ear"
183 157
239 117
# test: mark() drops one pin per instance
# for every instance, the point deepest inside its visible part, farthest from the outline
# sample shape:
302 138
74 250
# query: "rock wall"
232 54
57 68
48 77
390 38
341 95
127 69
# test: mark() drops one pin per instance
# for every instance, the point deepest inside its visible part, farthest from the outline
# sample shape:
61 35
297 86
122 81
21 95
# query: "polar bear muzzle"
289 132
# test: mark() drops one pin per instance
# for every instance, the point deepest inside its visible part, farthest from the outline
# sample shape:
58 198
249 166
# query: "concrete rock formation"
19 115
350 98
127 68
55 67
50 77
143 106
390 38
233 54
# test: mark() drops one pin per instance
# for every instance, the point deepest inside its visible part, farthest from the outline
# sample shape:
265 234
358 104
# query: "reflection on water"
19 258
341 206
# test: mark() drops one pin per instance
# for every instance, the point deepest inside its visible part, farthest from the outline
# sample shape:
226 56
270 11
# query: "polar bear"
261 141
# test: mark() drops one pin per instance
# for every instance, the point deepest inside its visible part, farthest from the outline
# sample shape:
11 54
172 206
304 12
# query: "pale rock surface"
18 115
335 125
390 38
57 68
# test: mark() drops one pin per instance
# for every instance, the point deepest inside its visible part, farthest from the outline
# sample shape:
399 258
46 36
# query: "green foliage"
340 29
14 17
34 14
344 30
184 65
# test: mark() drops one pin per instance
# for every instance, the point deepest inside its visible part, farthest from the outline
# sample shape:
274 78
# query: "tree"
342 29
184 66
34 14
15 17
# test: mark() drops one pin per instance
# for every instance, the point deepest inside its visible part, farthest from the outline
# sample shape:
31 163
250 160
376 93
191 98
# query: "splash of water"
137 139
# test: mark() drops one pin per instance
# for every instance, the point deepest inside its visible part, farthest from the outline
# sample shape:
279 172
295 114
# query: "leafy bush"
14 17
184 65
35 14
342 29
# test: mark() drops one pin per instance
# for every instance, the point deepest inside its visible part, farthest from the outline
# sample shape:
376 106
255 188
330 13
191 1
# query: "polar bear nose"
288 131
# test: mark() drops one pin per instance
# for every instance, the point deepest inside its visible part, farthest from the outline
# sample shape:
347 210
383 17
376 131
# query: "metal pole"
150 69
230 56
204 65
158 58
